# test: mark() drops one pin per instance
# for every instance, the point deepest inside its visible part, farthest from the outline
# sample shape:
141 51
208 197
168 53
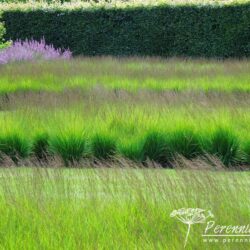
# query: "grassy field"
117 208
128 74
136 133
120 121
124 153
106 108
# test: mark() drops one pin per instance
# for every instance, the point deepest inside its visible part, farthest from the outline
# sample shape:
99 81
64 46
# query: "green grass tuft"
156 148
247 152
103 146
41 146
186 143
15 146
131 150
225 145
69 146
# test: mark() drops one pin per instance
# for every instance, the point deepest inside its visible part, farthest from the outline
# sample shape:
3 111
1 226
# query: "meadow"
125 108
124 152
117 208
124 74
86 142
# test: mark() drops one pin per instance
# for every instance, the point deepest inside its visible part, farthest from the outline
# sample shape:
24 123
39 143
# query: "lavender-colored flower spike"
32 50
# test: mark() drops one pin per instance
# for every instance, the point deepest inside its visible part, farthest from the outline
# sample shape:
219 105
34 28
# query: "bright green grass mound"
163 150
159 135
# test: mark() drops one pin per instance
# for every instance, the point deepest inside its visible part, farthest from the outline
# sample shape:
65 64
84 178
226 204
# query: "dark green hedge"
2 31
209 31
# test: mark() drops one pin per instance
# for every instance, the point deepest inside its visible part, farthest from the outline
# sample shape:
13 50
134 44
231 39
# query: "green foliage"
41 146
69 146
44 208
15 146
2 32
114 3
103 146
200 31
131 150
127 74
186 143
156 148
139 125
225 145
247 152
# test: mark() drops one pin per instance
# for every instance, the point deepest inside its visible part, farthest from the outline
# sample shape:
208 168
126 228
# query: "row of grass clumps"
156 146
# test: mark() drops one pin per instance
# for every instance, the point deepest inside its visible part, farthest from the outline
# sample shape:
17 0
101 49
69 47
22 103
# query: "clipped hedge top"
166 30
8 5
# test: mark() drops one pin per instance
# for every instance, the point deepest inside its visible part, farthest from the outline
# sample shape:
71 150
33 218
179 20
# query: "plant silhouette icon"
190 216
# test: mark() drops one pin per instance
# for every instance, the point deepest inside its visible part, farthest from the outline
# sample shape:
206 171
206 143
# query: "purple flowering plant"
30 50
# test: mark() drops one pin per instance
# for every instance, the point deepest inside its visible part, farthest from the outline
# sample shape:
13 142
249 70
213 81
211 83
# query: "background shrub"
200 31
2 32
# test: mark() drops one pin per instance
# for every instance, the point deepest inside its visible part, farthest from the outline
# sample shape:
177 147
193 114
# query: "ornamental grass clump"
40 147
103 146
156 148
131 149
186 143
16 146
225 145
247 152
30 50
70 147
